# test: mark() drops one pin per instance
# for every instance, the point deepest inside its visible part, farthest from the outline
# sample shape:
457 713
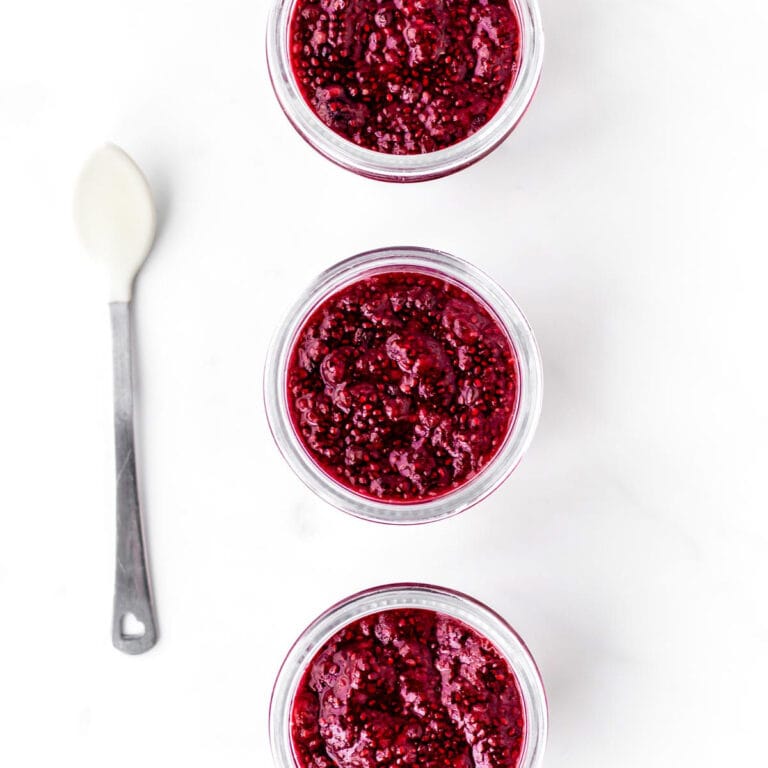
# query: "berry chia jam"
408 687
405 77
402 386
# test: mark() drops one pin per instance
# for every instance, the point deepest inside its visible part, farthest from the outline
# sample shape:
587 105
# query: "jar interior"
386 270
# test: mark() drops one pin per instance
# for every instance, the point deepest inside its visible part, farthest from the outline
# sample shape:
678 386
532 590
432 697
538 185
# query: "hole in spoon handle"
134 632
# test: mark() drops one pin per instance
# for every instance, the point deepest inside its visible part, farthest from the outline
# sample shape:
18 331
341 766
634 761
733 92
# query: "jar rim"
405 168
484 620
520 432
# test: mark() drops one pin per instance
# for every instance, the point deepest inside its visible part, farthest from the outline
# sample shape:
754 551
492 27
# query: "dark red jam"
408 688
402 386
405 76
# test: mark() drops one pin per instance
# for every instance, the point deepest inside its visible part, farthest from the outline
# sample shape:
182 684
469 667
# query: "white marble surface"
627 217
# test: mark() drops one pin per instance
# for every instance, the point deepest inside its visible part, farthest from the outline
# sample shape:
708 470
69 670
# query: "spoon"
116 220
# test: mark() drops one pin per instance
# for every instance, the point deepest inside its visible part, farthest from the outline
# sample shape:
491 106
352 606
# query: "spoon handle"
132 588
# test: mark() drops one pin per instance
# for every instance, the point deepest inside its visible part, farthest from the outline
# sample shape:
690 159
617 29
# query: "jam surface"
402 386
408 687
404 76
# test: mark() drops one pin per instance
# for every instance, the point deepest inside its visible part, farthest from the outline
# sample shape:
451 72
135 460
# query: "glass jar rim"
405 168
522 427
487 622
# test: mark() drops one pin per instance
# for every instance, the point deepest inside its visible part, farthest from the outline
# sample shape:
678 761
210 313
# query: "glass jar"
471 612
487 293
419 167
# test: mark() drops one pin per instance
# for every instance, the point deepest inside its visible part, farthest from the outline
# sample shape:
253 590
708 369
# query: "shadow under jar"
408 674
404 90
404 386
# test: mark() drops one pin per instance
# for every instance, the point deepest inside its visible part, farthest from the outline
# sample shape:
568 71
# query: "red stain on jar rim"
405 77
402 386
408 687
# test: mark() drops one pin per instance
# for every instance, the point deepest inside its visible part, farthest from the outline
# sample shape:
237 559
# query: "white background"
626 215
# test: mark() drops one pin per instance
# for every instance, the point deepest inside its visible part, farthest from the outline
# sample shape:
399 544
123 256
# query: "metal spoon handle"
133 594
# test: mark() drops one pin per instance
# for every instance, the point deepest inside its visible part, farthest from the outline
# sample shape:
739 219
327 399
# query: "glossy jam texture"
405 76
402 386
408 687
